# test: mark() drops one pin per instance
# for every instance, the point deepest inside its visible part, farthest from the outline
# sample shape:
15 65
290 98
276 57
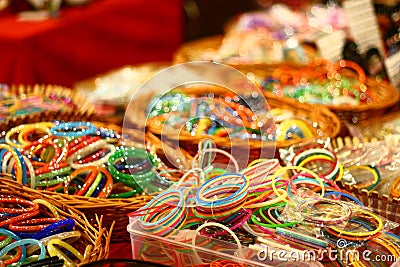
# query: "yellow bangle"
50 206
370 233
44 126
54 251
70 237
363 167
297 168
281 197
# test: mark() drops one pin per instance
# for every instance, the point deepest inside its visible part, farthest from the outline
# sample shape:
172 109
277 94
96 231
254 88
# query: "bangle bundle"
78 158
28 232
226 115
291 208
321 83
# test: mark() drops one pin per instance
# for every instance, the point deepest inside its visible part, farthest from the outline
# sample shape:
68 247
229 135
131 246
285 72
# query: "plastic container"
178 250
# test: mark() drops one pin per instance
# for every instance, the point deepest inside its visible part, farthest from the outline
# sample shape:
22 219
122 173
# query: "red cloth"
120 250
88 40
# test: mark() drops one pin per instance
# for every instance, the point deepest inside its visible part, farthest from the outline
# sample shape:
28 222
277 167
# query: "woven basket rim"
84 108
320 112
388 94
98 237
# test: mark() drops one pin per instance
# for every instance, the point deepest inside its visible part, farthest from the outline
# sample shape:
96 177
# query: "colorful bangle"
21 243
73 129
173 203
19 162
137 181
362 234
31 225
54 251
65 225
395 188
43 126
372 169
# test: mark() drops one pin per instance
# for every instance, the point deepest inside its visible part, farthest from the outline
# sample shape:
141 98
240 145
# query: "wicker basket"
207 47
382 204
386 95
113 211
328 123
92 229
83 109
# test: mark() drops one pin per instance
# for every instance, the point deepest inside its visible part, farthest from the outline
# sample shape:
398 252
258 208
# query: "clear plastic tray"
177 250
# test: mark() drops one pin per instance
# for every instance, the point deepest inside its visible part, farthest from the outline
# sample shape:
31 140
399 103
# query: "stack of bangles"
289 208
33 231
80 159
321 84
226 115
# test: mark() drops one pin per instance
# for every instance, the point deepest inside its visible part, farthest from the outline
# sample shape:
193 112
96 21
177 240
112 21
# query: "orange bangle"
88 181
395 188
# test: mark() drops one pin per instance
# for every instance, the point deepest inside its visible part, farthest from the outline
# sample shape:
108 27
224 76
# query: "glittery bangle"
72 129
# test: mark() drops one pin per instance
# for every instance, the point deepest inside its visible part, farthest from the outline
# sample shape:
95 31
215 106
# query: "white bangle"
90 149
197 257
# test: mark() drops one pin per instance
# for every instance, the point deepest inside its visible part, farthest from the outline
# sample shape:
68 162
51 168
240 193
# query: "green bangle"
66 170
52 181
270 224
125 194
133 180
5 242
94 185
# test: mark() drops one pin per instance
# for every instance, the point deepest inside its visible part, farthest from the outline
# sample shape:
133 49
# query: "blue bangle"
236 194
21 243
70 129
16 238
21 159
55 228
344 195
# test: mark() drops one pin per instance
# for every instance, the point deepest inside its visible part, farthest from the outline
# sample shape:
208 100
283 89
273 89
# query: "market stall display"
83 166
206 116
39 227
342 87
222 215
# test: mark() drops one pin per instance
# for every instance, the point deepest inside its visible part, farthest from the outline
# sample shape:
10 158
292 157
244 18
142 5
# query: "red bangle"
79 146
13 200
14 259
106 191
88 180
93 157
48 168
19 218
31 225
78 140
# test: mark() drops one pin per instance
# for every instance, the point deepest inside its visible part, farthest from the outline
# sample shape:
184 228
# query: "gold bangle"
48 205
361 234
54 251
70 237
45 126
